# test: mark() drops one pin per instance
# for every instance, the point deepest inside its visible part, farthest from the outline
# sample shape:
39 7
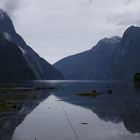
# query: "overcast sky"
59 28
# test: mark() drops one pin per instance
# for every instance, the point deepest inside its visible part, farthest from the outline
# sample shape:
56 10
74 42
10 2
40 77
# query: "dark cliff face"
13 66
6 24
90 65
126 59
41 68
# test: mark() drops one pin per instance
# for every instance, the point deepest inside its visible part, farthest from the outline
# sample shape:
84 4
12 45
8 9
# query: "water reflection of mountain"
123 105
15 106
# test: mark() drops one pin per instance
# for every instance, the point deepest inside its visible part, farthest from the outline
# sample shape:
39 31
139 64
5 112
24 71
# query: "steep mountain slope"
13 66
92 64
126 60
41 68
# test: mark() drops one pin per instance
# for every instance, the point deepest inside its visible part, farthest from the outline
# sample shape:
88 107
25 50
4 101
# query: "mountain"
126 59
13 66
92 64
39 68
111 59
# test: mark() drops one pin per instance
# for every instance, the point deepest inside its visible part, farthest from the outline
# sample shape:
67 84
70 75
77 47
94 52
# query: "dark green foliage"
136 78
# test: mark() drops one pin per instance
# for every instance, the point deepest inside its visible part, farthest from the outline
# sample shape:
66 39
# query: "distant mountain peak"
115 38
132 34
112 40
133 27
3 14
132 30
6 24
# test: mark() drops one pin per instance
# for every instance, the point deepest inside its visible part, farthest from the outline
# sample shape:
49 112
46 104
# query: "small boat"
94 93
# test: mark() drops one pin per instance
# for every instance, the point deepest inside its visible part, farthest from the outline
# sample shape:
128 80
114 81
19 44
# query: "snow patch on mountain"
7 36
23 51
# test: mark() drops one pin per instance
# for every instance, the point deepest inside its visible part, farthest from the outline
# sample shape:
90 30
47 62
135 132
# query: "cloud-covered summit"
10 6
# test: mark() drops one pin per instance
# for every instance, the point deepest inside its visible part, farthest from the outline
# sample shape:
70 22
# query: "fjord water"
58 111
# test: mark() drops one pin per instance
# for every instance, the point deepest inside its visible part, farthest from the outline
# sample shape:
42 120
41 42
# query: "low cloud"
127 15
126 19
128 1
10 6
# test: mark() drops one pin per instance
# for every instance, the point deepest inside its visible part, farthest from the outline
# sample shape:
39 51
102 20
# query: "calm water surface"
68 110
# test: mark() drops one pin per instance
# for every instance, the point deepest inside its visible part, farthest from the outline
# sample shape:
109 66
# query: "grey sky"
59 28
